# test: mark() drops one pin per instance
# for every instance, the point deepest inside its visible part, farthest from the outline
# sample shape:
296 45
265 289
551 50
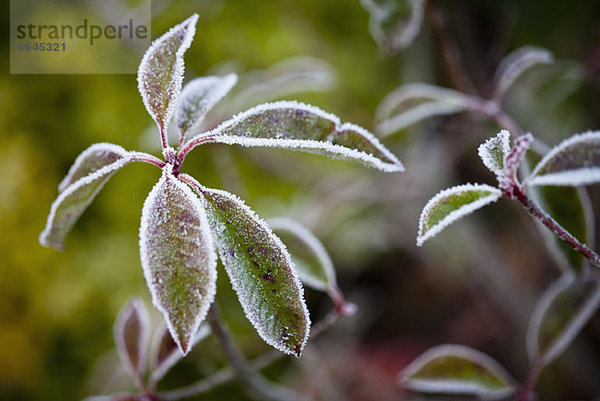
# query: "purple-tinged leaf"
75 198
562 311
452 204
260 269
297 126
197 98
165 353
494 151
575 161
132 332
93 158
456 369
160 73
178 257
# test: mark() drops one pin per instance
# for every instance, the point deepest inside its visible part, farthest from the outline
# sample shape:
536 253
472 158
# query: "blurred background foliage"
476 284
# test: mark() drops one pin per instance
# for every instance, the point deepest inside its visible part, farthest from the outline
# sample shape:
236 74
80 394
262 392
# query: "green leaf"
160 73
260 270
452 204
562 311
297 126
76 197
132 333
456 369
575 161
178 257
493 152
311 260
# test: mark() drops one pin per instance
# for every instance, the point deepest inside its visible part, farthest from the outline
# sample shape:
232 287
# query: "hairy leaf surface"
197 98
312 262
260 270
456 369
452 204
160 73
575 161
178 257
560 314
132 332
298 126
493 152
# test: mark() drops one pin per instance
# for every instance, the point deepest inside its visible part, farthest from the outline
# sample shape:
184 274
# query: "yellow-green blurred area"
475 284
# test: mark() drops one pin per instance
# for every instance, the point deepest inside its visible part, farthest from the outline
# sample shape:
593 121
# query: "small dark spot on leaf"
274 291
269 277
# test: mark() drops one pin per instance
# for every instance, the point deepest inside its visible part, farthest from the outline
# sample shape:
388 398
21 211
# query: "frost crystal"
178 256
260 270
197 98
297 126
493 151
452 204
513 159
160 73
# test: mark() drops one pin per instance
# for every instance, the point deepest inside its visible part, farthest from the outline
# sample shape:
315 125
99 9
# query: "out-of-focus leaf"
76 197
197 98
160 73
414 102
562 311
297 126
394 24
493 152
456 369
260 270
517 63
312 262
178 257
452 204
132 333
92 159
165 353
575 161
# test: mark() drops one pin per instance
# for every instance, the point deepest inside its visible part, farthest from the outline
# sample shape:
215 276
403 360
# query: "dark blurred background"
474 284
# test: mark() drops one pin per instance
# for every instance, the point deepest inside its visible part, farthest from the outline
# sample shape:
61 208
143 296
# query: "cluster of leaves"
185 224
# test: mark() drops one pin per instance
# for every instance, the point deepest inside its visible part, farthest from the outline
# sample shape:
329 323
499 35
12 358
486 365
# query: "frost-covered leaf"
160 73
166 353
178 257
517 63
513 159
297 126
260 270
412 103
75 197
456 369
452 204
197 98
394 24
560 314
493 152
132 333
93 158
575 161
312 262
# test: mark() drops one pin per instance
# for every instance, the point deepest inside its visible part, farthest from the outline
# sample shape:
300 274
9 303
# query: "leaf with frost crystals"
560 314
493 152
311 260
160 73
93 158
260 269
456 369
166 353
517 63
575 161
297 126
131 334
76 196
197 98
178 257
513 159
394 24
412 103
452 204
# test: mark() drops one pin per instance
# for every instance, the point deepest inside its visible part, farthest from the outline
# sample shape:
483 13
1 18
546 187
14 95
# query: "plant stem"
146 158
519 194
192 143
263 389
526 392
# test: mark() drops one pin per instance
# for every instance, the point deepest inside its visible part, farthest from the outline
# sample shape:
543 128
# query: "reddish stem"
191 144
146 158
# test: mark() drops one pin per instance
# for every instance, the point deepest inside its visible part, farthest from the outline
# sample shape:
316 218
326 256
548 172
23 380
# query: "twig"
526 392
